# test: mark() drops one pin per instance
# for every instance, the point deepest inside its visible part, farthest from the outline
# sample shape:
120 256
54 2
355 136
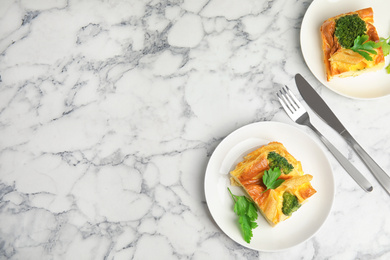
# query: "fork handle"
350 169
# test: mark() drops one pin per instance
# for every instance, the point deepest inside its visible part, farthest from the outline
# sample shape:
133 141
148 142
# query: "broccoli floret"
290 203
276 160
349 27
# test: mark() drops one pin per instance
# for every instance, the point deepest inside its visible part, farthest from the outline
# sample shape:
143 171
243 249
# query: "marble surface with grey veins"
111 109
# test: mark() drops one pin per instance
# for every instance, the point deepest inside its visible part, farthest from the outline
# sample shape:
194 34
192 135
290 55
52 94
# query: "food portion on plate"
351 45
274 180
304 223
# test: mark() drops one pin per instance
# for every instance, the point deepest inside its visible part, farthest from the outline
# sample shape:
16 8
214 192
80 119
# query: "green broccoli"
290 203
349 27
276 160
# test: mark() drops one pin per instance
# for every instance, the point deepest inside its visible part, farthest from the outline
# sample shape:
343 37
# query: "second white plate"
305 222
366 86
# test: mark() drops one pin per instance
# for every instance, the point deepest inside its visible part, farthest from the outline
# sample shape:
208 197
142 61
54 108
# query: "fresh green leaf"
270 178
276 184
363 47
247 214
360 39
254 224
364 54
241 205
252 211
246 227
385 45
388 69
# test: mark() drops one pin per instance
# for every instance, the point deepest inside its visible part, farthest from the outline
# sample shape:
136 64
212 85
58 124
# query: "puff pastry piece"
249 174
341 62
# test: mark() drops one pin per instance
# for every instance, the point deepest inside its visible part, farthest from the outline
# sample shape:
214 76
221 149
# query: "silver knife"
319 106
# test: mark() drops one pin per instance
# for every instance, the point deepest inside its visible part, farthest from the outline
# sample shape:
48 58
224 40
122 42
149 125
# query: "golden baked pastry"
249 174
343 62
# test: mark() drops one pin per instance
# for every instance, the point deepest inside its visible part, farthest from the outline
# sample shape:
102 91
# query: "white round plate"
366 86
305 222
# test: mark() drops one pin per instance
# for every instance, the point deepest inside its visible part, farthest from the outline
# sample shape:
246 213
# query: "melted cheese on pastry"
249 174
341 62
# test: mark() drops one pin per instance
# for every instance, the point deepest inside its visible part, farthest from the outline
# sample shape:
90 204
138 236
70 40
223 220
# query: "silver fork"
298 113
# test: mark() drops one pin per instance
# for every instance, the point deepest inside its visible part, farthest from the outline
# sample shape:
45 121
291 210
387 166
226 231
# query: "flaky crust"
250 171
341 62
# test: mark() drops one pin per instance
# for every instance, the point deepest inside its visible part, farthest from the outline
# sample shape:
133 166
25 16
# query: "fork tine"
292 96
290 104
285 103
288 99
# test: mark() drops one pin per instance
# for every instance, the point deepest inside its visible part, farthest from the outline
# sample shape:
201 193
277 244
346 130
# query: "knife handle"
349 168
375 169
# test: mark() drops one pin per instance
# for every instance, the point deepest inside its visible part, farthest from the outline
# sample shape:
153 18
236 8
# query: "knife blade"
318 105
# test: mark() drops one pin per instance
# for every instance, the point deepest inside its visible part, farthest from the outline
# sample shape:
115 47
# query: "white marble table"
110 111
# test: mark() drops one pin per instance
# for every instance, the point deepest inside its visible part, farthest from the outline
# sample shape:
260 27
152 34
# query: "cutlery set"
298 114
